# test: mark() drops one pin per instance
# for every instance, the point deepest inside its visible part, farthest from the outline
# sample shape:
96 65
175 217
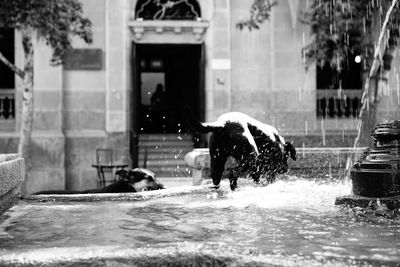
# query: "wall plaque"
220 64
84 59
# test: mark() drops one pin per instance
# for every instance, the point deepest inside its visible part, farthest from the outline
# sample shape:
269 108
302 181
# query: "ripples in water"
294 217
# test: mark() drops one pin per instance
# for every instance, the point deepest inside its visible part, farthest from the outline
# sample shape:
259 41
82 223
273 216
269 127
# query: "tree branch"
374 68
14 68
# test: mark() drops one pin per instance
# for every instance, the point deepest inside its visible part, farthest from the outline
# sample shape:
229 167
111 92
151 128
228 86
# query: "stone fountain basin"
102 229
180 253
12 173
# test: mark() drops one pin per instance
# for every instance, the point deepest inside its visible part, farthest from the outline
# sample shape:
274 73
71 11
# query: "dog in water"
257 147
136 180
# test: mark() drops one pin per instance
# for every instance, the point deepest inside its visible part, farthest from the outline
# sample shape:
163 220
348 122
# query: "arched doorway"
168 53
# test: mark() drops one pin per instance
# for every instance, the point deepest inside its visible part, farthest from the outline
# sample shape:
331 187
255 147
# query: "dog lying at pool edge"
257 147
136 180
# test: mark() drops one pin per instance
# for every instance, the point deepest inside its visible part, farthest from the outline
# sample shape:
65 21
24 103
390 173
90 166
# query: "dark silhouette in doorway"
158 97
158 106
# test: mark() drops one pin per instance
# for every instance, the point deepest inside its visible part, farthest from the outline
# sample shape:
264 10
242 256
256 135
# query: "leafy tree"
55 22
341 28
355 27
259 13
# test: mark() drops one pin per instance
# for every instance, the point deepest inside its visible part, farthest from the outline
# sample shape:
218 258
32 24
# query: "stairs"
165 154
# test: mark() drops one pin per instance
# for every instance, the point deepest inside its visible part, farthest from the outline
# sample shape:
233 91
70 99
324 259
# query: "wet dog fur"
257 147
129 181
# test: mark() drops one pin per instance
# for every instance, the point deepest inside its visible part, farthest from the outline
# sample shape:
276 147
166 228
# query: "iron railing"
334 103
7 104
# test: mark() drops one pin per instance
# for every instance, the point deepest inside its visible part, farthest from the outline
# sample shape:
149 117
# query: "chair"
106 166
104 161
104 156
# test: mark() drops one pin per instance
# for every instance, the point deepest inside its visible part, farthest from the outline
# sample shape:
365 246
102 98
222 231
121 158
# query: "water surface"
294 218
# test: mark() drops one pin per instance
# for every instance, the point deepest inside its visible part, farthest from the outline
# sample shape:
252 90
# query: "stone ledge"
7 157
392 203
315 161
171 254
12 174
139 196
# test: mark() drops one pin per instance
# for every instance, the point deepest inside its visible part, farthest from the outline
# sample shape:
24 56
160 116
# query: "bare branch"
14 68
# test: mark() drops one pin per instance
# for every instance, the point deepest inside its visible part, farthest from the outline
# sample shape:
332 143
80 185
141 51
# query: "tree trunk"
27 98
368 117
377 78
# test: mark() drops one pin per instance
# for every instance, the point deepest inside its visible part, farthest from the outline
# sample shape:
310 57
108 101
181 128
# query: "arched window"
167 10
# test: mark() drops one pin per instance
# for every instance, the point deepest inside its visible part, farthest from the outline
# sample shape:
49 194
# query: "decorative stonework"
168 10
196 29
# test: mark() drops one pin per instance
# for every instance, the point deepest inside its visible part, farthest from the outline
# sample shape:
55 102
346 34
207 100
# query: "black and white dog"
136 180
257 147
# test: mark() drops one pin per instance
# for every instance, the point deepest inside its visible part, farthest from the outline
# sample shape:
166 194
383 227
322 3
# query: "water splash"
375 66
293 193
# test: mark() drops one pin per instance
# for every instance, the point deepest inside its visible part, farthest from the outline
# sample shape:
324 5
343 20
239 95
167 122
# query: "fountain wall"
12 174
314 162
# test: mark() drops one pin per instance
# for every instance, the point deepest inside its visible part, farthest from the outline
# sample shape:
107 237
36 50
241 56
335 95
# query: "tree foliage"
55 20
340 28
259 12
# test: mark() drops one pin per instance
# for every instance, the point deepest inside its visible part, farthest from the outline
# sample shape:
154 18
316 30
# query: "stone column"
219 61
47 150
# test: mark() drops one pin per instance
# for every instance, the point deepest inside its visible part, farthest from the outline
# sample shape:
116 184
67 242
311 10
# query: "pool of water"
291 222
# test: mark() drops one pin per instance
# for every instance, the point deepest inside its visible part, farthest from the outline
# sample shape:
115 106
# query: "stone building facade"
81 107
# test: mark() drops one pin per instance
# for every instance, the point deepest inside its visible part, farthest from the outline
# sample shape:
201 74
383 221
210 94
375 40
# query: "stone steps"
165 153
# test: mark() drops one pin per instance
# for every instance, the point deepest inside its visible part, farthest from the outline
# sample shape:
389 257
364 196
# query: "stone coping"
392 203
172 254
12 174
199 158
7 157
139 196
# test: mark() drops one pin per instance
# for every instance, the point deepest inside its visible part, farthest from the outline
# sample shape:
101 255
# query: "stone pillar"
117 65
47 149
218 76
95 101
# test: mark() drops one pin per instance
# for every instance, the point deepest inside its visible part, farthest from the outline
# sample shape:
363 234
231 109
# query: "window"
339 89
7 76
7 49
168 10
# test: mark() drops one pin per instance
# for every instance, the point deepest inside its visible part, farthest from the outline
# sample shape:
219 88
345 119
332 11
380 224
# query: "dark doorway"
176 71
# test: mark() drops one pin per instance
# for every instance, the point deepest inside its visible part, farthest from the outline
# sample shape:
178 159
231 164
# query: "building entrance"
169 77
166 78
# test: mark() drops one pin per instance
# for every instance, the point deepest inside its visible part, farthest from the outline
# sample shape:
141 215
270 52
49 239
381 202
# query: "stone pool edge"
12 174
174 254
139 196
311 161
392 203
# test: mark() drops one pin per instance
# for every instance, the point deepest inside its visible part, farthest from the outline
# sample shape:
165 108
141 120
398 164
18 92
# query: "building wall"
270 82
259 72
267 70
389 97
95 102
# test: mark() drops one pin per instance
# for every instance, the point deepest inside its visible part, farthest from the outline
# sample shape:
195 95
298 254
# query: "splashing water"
291 220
